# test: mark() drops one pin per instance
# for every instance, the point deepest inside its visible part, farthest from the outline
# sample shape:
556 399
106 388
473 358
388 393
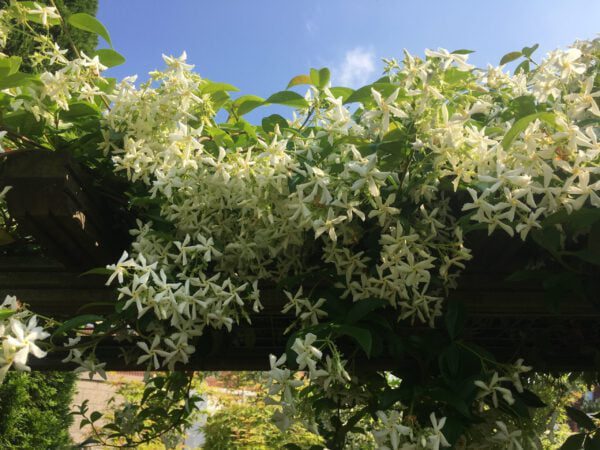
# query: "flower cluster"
19 332
370 203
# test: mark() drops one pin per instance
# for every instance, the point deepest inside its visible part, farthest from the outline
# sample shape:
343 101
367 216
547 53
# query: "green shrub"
248 426
34 410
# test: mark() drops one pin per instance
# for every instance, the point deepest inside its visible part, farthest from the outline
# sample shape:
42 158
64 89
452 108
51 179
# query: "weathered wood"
508 323
53 200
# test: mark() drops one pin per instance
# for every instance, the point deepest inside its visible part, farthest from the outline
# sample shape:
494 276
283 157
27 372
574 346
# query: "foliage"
34 410
362 212
23 44
241 425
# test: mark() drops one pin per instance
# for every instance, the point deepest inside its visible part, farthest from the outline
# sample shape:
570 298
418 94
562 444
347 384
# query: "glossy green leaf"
523 106
247 103
528 51
5 237
320 78
299 80
363 307
455 318
86 22
76 322
211 87
361 335
360 95
269 123
9 66
364 95
573 442
451 399
593 443
531 399
580 418
15 80
109 58
509 57
523 67
343 92
6 313
98 271
520 125
288 98
79 110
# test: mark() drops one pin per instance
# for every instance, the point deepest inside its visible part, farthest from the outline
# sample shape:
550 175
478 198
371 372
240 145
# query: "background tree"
34 410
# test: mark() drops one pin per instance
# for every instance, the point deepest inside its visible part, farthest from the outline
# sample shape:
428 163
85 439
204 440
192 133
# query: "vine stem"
135 444
14 136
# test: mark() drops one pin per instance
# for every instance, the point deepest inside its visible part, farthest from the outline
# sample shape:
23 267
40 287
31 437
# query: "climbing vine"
358 211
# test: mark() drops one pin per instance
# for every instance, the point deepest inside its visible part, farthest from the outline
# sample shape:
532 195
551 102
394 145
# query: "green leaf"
523 67
363 94
454 76
363 307
509 57
360 95
79 110
211 87
528 51
320 78
573 442
361 335
288 98
463 51
547 238
76 322
530 399
109 58
96 415
9 66
449 362
269 122
580 418
15 80
247 103
299 80
6 313
451 399
523 106
5 237
455 318
593 443
520 125
97 271
343 92
589 255
85 22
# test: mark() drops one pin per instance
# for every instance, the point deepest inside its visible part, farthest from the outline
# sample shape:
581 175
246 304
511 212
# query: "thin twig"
14 135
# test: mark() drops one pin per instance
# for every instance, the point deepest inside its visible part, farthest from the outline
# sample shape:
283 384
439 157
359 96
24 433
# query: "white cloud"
311 26
356 69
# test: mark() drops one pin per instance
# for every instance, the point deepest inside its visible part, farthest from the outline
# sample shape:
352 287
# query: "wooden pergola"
58 203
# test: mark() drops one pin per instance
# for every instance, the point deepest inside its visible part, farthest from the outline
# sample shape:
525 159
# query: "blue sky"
259 45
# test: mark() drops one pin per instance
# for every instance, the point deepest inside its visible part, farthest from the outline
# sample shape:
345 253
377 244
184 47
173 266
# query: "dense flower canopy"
342 203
